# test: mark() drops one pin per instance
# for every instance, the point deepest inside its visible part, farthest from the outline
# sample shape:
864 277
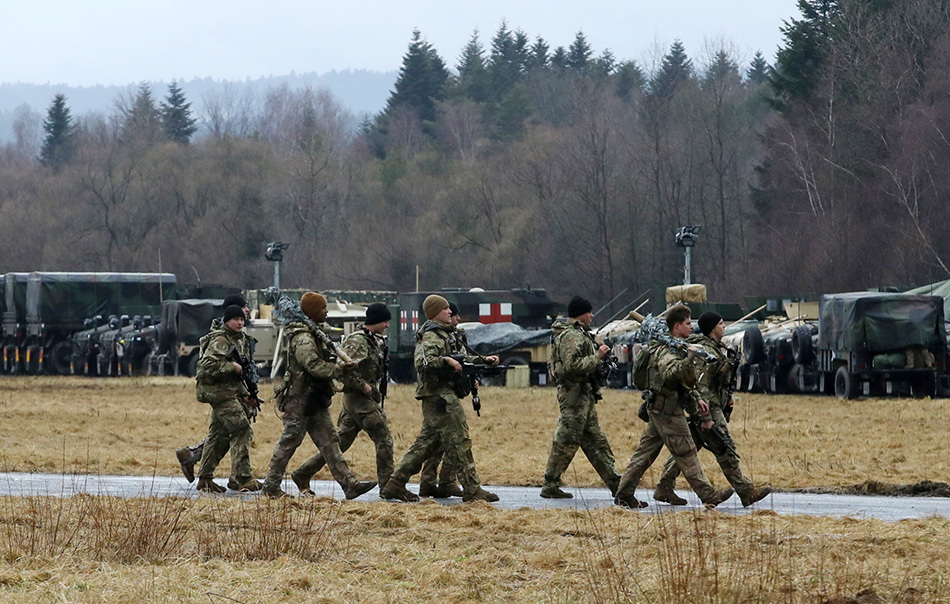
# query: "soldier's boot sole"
555 493
187 466
303 485
397 490
755 495
719 497
209 486
630 502
357 489
669 497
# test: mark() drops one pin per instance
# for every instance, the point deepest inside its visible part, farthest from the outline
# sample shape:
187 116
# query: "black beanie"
453 308
708 322
235 300
377 312
233 311
578 306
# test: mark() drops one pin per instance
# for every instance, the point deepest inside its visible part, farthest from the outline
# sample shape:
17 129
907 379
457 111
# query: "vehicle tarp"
496 338
188 320
65 300
880 322
940 288
14 295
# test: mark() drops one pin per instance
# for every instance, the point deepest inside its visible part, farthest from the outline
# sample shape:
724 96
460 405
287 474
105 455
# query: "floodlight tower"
275 253
686 239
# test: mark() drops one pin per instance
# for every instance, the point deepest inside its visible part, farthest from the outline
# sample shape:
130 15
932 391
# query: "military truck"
176 344
14 320
58 303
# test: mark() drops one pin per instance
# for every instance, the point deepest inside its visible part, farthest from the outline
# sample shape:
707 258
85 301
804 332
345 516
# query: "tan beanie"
433 305
312 303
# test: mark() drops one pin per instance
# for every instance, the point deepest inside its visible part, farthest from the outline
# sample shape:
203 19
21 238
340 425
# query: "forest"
522 165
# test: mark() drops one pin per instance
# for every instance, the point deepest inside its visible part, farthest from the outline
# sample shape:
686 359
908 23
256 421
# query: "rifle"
286 310
608 365
474 373
384 379
253 401
713 439
653 328
733 358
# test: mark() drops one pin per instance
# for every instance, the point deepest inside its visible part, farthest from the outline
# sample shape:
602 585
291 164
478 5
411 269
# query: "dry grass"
132 426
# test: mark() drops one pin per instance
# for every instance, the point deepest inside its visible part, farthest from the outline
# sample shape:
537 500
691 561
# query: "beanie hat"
233 311
708 322
578 306
433 305
312 303
235 300
377 312
454 309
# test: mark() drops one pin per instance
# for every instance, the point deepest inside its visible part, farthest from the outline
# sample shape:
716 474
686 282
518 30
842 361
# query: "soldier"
362 399
305 398
673 376
189 456
714 388
576 368
220 383
443 419
434 482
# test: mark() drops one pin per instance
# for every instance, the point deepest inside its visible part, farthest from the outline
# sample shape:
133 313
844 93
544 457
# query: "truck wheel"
802 348
753 346
845 384
923 386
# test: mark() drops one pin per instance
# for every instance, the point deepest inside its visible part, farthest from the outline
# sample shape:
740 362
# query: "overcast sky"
87 42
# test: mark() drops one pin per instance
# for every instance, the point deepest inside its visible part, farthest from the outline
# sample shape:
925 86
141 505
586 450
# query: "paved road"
861 506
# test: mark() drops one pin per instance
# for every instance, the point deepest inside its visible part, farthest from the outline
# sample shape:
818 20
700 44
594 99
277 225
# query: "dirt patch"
924 488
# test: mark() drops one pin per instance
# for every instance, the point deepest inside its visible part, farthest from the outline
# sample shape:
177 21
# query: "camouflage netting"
880 322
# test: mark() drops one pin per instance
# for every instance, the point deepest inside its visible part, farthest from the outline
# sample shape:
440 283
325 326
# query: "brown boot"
427 489
395 489
248 486
355 489
210 486
480 494
187 466
450 489
668 496
555 492
754 494
629 501
233 484
719 497
303 485
274 494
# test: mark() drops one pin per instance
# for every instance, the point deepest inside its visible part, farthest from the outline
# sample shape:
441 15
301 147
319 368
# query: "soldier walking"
304 398
673 375
362 399
715 387
576 368
443 419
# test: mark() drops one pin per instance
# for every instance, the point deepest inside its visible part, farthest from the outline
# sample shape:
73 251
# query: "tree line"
524 165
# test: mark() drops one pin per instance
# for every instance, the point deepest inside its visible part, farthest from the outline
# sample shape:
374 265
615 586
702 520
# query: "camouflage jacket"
217 379
435 377
673 379
714 380
574 356
216 323
368 351
311 365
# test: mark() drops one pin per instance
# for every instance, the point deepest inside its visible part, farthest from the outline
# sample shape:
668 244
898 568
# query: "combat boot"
554 492
629 501
210 486
719 497
668 496
355 489
395 489
303 485
450 489
233 484
479 494
186 463
427 489
274 493
248 486
754 494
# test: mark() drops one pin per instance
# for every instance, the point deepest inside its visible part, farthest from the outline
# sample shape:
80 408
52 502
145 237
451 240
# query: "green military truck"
14 320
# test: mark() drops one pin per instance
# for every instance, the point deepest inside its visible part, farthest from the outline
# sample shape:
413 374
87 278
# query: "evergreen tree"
758 70
675 69
59 144
522 52
605 64
538 55
629 78
559 58
723 69
504 63
176 117
473 74
142 121
422 80
579 53
806 41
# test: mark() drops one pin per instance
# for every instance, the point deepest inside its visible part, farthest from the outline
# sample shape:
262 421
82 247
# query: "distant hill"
359 91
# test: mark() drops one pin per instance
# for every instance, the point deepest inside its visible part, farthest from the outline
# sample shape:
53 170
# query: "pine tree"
504 63
538 55
579 53
675 69
605 64
758 70
723 69
473 74
59 144
629 78
422 80
142 121
806 40
559 58
176 117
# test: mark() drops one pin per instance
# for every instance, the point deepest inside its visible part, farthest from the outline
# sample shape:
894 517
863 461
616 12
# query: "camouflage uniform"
360 412
673 385
713 388
220 383
444 426
305 403
432 480
576 371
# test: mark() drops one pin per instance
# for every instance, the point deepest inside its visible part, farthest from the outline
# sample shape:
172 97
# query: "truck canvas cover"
65 300
880 322
188 320
496 338
14 294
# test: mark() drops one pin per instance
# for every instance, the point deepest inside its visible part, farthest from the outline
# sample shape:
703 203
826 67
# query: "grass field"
101 549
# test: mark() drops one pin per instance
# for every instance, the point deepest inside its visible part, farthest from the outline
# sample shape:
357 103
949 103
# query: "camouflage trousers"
728 461
323 434
672 431
228 430
444 428
578 427
359 414
433 475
